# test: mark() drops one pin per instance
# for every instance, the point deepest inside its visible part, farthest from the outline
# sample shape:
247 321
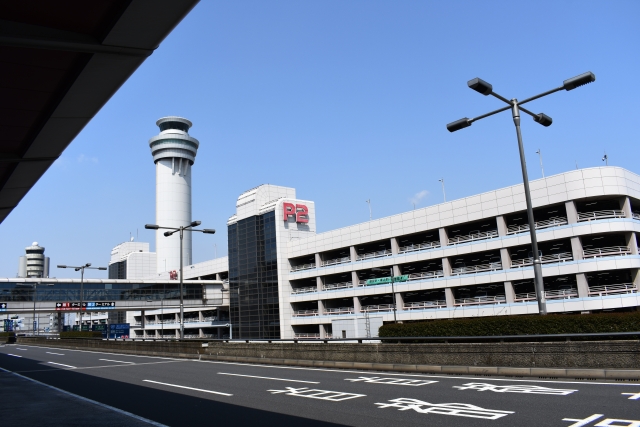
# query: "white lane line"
102 405
114 354
189 388
57 354
60 364
270 378
413 375
21 349
119 361
14 355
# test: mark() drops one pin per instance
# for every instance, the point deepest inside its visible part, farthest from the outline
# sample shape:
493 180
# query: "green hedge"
81 334
7 334
517 325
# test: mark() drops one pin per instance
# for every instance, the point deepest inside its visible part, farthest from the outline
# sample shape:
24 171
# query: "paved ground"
179 392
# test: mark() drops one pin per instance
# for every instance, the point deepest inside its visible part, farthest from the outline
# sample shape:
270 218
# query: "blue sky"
345 101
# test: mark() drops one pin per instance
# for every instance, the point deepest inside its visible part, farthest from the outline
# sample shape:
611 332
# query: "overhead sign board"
89 305
3 306
8 325
384 280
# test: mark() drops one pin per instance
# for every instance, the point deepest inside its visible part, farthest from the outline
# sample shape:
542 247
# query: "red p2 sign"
299 212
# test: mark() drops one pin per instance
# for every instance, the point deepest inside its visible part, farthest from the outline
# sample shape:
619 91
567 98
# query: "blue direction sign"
99 305
8 325
119 330
3 306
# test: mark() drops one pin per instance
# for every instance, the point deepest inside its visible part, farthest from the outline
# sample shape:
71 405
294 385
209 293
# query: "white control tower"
174 152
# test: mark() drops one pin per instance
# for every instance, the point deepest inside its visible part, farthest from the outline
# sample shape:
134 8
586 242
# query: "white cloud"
418 197
82 158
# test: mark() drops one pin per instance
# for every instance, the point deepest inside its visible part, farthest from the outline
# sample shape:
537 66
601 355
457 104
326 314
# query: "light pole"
514 105
539 153
181 229
369 203
444 195
81 269
393 292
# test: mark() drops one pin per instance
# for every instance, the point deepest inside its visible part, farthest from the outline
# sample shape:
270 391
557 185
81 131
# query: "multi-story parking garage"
464 258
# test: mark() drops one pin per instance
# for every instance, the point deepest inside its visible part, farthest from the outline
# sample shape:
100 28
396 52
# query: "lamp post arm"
475 119
549 92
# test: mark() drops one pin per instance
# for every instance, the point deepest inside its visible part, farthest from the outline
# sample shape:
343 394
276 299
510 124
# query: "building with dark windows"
464 258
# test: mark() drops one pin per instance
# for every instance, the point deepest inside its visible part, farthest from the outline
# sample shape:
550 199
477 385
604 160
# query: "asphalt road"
180 392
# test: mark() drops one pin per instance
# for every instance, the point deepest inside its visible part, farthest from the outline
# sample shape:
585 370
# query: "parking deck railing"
559 294
477 235
339 310
376 254
635 215
616 289
336 261
423 305
608 251
305 313
378 308
303 267
497 299
604 214
426 275
551 222
419 247
544 259
493 266
305 290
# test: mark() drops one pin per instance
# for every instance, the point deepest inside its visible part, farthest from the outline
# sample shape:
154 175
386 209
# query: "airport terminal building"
465 258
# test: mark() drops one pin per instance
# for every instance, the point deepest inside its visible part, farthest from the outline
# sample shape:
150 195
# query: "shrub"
517 325
81 334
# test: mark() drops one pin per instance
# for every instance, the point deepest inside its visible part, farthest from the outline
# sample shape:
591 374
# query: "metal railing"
551 222
498 299
423 305
608 251
419 247
635 215
378 308
305 290
303 267
479 235
544 259
336 261
616 289
560 294
306 335
376 254
426 275
493 266
305 313
339 310
342 285
608 213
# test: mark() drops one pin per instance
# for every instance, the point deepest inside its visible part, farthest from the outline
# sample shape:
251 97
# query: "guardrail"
424 305
608 251
479 235
419 247
336 261
305 290
371 255
498 299
551 222
303 267
608 213
617 289
476 268
560 294
544 259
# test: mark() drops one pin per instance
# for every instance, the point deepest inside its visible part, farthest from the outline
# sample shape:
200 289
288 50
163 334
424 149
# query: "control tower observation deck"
174 152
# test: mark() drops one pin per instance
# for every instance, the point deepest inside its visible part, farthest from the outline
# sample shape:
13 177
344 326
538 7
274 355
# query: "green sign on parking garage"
383 280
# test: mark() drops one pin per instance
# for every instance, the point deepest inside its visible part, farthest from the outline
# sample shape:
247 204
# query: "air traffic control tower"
174 152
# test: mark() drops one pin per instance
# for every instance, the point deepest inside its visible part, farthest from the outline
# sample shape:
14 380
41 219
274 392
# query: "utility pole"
444 195
369 202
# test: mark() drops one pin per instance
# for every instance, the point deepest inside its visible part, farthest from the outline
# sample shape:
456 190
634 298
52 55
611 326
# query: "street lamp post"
81 269
515 106
181 229
393 292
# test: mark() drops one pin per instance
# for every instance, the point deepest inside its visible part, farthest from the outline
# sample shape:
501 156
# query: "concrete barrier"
612 360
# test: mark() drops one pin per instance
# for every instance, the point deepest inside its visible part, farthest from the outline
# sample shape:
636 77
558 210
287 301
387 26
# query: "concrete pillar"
632 242
394 246
397 271
200 316
143 320
635 277
509 292
625 206
583 286
353 253
448 294
576 248
356 305
354 278
505 258
200 332
318 260
444 237
320 307
572 212
323 332
399 301
320 283
218 276
502 226
446 267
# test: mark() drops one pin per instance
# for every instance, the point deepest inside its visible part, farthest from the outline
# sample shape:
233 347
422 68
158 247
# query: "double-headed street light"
181 229
515 106
81 269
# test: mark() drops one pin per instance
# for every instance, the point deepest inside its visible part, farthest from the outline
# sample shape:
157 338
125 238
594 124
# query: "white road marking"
60 364
394 381
312 393
102 405
14 355
189 388
529 389
455 409
21 349
114 354
584 422
57 354
269 378
119 361
632 396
